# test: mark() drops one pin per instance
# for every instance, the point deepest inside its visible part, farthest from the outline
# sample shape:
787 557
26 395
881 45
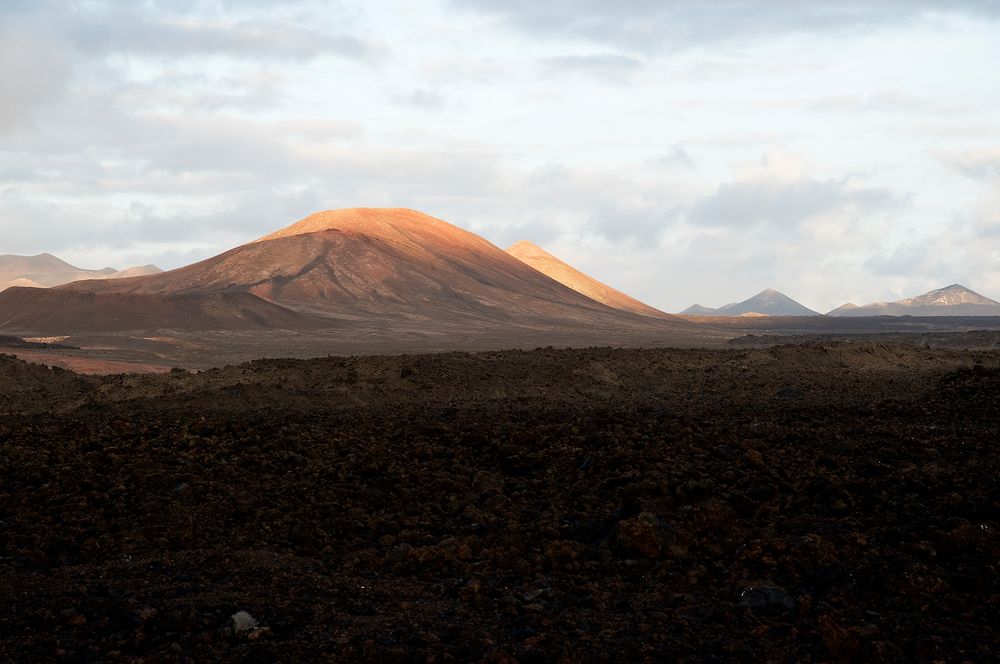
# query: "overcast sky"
684 151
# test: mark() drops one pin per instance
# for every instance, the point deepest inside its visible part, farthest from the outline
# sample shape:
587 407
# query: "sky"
683 152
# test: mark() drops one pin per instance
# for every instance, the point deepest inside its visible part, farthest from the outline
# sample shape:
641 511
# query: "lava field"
817 502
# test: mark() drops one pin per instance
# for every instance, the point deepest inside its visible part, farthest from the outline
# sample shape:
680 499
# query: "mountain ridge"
952 300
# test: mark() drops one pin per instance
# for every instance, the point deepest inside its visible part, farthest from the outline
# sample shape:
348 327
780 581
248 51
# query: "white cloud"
602 67
778 191
421 98
254 31
34 70
676 157
654 25
977 163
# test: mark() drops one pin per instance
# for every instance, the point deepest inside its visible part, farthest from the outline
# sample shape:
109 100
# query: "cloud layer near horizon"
836 152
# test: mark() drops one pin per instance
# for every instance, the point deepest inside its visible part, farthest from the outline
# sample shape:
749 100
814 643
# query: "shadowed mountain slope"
567 275
74 312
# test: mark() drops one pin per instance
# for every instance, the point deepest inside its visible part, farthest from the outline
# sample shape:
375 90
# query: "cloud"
219 181
141 35
633 207
602 67
983 163
984 221
34 70
676 158
914 260
886 101
654 25
963 250
197 29
420 98
147 229
779 192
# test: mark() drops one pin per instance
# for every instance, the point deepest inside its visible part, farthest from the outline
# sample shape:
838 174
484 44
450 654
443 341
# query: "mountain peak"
953 300
397 225
768 302
955 294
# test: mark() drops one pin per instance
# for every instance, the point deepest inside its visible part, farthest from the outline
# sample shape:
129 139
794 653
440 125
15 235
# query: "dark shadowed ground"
818 502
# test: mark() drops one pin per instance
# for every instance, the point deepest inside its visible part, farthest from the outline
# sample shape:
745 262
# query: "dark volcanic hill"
45 270
362 266
568 275
954 300
768 302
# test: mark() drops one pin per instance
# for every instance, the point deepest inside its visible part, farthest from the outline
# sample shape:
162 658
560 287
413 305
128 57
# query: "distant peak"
769 301
955 294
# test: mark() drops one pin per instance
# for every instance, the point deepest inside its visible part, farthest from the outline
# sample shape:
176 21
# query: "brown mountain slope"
371 264
74 312
549 265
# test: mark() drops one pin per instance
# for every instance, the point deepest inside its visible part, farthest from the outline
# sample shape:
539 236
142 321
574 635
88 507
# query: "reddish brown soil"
813 503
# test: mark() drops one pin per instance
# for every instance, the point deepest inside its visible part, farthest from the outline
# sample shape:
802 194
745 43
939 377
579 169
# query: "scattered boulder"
244 622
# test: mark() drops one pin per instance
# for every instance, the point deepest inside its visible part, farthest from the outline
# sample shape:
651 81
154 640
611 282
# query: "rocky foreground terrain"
816 502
